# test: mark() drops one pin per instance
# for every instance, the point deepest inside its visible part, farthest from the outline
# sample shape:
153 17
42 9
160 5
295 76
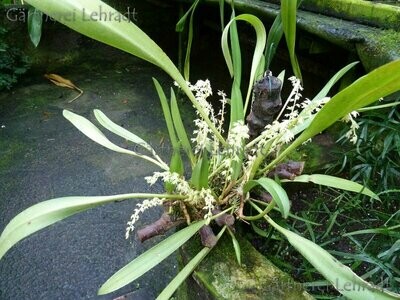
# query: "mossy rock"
220 277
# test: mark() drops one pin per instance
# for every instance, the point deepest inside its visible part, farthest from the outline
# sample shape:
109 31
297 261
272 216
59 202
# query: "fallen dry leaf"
63 82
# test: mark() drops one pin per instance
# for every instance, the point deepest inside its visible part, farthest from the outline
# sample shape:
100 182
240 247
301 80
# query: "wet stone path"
42 156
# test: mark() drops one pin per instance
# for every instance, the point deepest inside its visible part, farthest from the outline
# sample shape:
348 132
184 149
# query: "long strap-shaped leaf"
340 276
335 182
379 83
288 14
258 51
122 132
149 259
277 192
116 31
92 132
179 28
51 211
170 289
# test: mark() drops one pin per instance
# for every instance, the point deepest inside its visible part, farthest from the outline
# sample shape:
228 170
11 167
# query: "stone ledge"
374 46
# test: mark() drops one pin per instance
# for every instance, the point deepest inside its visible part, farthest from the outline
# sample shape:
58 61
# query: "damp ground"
42 156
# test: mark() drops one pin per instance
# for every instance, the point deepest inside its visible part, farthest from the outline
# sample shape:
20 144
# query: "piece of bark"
288 170
266 104
224 219
159 227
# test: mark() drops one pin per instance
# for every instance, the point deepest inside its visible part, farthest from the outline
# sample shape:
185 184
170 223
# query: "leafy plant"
226 168
375 156
13 63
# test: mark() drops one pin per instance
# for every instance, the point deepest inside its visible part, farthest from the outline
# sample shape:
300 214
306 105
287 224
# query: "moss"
9 151
365 12
380 47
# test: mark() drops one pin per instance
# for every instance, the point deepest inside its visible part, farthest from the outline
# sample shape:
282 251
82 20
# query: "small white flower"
352 133
141 208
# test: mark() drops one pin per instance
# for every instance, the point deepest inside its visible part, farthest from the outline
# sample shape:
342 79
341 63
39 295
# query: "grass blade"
335 182
51 211
186 271
390 231
149 259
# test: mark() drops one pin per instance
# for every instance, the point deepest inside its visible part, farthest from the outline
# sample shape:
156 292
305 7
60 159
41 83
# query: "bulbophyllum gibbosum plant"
226 166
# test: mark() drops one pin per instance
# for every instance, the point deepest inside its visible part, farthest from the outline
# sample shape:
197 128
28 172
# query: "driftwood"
288 170
159 227
224 219
266 104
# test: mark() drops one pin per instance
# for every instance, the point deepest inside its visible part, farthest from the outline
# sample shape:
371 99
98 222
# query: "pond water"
42 156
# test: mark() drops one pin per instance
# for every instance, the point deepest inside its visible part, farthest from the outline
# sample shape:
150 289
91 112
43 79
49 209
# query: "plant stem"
261 214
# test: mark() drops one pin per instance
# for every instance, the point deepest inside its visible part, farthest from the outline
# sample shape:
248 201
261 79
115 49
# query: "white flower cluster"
352 133
203 135
203 197
238 133
141 208
280 131
181 185
206 198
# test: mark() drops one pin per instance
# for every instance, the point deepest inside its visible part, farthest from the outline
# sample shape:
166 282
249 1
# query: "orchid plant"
228 165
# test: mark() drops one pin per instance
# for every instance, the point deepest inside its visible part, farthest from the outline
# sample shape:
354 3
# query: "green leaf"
340 276
335 78
274 37
324 91
167 115
51 211
122 132
186 271
182 21
390 231
92 132
236 247
35 20
176 166
180 128
149 259
120 33
186 69
200 173
261 37
381 82
277 192
335 182
258 230
288 15
222 13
